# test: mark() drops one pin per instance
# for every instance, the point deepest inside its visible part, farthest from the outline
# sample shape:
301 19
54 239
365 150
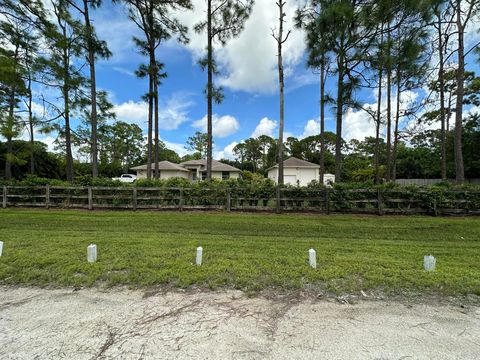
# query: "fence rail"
428 182
357 201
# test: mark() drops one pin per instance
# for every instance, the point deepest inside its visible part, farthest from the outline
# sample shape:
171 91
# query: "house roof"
293 162
216 165
167 165
162 165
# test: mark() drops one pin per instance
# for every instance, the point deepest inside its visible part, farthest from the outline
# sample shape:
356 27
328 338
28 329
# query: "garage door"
290 179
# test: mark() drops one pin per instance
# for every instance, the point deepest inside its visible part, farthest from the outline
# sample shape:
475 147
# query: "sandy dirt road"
124 324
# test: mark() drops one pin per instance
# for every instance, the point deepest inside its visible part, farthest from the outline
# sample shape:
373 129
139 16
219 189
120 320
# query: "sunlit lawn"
246 251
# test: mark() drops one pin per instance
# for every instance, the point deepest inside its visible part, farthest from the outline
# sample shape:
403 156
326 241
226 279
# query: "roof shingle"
293 162
162 165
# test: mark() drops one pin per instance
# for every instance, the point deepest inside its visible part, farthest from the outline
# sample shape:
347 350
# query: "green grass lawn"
252 252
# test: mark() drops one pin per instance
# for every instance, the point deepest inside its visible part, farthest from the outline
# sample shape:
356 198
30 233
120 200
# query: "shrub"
88 180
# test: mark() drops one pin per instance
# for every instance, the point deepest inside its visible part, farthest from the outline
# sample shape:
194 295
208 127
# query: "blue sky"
248 75
248 98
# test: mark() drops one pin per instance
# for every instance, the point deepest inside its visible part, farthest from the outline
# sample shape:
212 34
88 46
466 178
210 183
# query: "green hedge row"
258 191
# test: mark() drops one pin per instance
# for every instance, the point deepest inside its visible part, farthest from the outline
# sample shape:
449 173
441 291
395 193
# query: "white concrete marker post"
198 260
429 262
312 258
92 253
1 247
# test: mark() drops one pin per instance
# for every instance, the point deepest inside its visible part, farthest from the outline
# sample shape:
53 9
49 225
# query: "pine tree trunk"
441 80
66 103
30 125
127 155
389 124
68 137
449 113
339 115
10 125
281 91
322 122
209 90
151 80
459 169
155 97
93 92
395 134
376 156
149 130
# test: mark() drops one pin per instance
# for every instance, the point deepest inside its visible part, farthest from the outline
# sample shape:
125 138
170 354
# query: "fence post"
180 201
327 201
277 189
90 198
4 202
47 196
228 206
435 208
379 202
134 198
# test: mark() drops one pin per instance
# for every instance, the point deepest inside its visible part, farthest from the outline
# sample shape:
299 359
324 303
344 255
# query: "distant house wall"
328 179
273 174
218 175
167 174
164 174
141 174
295 176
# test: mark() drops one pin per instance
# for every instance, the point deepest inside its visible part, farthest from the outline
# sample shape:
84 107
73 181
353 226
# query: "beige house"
198 170
192 170
167 170
297 172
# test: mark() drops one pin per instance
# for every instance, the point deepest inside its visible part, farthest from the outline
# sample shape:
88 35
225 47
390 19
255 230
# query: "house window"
204 175
194 175
225 175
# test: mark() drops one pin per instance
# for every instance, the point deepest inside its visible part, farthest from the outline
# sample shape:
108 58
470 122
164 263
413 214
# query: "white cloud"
172 112
264 127
223 126
124 71
472 35
38 109
48 140
312 127
178 148
301 78
227 152
249 61
132 112
357 125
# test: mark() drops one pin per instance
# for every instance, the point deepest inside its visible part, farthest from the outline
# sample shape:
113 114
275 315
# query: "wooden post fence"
327 202
277 189
372 201
47 196
379 202
90 198
180 200
435 209
134 198
4 200
228 205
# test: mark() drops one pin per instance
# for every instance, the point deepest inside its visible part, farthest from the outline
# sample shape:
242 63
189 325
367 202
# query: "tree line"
395 48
